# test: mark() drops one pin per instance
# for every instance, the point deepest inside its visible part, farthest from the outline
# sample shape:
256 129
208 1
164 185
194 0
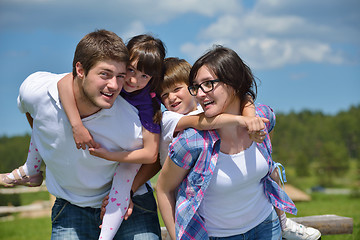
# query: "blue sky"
305 53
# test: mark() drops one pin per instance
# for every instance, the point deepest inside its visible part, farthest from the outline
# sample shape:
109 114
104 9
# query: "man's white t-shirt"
74 174
168 124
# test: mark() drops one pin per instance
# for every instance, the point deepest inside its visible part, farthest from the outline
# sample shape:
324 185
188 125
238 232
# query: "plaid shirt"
198 151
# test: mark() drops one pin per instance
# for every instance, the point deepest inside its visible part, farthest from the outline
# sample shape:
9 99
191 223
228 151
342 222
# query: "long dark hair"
229 69
149 52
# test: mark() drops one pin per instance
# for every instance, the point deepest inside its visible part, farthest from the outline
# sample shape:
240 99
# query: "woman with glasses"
217 183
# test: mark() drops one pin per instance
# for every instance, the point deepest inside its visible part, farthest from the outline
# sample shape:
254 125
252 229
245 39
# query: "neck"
234 139
83 104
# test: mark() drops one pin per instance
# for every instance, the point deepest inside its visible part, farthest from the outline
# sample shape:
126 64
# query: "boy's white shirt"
168 124
74 174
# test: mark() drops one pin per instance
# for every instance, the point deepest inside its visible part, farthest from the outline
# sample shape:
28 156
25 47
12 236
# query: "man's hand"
105 202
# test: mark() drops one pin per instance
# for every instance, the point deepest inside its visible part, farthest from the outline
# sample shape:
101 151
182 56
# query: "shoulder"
190 144
194 141
37 86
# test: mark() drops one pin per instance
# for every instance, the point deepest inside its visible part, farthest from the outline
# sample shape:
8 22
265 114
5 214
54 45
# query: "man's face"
103 83
178 99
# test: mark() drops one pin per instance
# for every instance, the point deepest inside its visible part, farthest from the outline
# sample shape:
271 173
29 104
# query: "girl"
221 183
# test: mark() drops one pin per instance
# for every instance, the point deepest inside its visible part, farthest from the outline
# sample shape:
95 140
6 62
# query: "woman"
224 189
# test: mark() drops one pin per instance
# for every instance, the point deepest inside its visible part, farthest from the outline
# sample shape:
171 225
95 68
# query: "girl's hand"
100 152
83 138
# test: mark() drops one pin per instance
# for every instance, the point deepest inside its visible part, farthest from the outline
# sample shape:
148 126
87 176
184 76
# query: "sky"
305 54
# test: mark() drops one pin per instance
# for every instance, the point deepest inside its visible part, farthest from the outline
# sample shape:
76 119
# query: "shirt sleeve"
265 111
185 148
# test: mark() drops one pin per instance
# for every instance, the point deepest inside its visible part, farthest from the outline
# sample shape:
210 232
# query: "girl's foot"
22 179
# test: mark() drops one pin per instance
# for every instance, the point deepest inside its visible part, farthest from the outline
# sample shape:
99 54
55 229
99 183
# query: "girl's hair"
149 53
229 69
98 46
176 71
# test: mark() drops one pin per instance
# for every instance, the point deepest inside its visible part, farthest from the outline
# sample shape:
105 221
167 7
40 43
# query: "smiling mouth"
208 103
175 104
131 86
107 94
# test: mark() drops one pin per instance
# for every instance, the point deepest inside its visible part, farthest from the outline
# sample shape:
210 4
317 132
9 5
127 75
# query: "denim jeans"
269 229
71 222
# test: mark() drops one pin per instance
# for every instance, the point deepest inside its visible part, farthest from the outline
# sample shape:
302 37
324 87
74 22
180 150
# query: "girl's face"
219 100
178 99
135 79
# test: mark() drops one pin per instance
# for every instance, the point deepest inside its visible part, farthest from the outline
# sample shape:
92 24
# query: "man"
78 180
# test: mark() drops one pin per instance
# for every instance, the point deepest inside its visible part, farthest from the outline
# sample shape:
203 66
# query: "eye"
104 74
164 96
122 76
177 89
206 84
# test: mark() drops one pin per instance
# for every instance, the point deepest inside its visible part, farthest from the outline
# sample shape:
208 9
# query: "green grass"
40 228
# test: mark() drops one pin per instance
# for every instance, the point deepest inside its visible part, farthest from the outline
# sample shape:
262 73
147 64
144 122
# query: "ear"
80 70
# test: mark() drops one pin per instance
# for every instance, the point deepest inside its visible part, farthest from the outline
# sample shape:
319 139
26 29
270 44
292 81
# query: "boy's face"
178 99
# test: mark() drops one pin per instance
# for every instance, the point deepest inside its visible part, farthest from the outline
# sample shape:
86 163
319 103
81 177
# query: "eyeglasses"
206 87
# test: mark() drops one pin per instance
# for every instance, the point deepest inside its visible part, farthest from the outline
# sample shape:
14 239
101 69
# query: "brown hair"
98 46
176 71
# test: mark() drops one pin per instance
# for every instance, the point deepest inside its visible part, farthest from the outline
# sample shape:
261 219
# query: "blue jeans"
269 229
71 222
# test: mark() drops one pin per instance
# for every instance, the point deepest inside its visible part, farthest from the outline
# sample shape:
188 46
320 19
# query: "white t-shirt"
234 201
168 124
74 174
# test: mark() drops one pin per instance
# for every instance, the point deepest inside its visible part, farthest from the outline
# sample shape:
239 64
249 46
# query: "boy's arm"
146 155
81 135
201 122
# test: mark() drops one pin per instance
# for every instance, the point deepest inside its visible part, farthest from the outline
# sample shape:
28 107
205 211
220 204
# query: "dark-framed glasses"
206 87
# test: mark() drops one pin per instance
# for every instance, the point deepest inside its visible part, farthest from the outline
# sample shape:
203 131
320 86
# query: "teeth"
175 104
208 102
108 94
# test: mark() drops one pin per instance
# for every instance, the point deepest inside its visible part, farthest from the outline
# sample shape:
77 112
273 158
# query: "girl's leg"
119 199
29 174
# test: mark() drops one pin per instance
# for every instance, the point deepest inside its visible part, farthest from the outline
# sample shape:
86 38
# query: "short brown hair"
99 45
176 71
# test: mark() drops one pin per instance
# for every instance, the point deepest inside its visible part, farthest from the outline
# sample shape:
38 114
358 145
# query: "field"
342 205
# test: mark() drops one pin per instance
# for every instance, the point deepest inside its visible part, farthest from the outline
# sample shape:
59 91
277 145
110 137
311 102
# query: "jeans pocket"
58 208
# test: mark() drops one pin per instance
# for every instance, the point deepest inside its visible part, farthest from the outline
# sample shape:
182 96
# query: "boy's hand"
254 124
83 138
258 136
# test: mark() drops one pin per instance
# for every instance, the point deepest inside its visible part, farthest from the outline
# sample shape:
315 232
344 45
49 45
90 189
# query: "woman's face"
220 100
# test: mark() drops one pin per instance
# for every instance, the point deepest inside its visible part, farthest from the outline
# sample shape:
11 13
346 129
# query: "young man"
79 180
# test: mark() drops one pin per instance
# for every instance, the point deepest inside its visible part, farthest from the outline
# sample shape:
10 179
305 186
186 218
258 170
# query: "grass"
342 205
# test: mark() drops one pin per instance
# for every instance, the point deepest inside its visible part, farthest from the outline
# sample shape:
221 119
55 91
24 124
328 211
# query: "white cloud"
134 28
274 34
